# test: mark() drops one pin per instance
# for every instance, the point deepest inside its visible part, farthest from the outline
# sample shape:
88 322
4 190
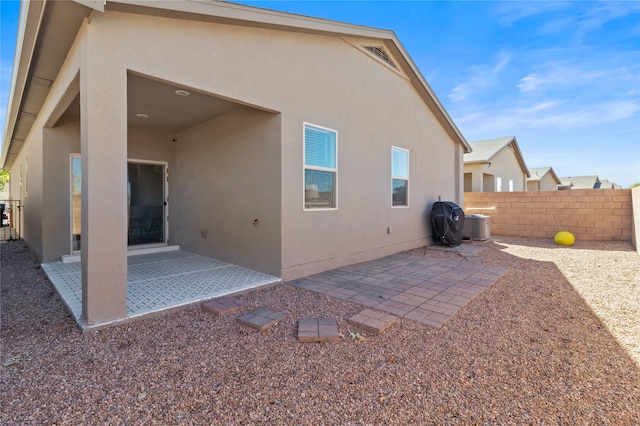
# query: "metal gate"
10 220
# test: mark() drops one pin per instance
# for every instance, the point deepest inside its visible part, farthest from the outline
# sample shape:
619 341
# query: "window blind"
319 148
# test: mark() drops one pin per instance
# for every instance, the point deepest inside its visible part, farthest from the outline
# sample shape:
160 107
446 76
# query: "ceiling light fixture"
141 115
182 93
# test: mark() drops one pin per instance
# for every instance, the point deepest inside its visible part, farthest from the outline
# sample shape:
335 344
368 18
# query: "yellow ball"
564 238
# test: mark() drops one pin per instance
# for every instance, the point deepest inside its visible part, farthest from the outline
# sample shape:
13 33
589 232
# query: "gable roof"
51 26
537 173
607 184
581 182
485 150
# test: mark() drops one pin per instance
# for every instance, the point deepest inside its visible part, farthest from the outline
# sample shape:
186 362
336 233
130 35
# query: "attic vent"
379 52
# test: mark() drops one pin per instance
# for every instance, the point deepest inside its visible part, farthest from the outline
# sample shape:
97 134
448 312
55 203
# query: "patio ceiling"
165 106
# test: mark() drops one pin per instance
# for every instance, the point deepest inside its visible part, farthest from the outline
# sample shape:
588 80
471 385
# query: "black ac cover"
447 222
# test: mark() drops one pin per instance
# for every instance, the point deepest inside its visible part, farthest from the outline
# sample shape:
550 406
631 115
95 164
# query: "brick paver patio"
261 319
224 305
420 288
318 330
374 322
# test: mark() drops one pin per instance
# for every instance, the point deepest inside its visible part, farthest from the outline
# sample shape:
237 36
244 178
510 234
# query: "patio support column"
103 112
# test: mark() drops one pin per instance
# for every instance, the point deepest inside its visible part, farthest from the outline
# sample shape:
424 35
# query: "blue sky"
562 77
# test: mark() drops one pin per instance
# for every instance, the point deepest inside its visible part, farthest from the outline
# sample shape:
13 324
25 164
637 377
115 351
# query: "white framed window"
320 167
498 184
399 177
510 185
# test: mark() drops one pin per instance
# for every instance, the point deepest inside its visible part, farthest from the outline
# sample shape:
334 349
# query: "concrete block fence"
590 214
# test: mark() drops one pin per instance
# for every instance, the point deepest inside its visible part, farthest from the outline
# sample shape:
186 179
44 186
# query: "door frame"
165 191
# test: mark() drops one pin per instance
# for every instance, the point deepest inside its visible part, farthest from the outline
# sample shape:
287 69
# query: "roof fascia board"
231 13
430 94
555 176
31 14
516 148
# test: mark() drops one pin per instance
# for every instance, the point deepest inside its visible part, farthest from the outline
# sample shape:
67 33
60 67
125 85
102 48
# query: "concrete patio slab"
261 319
160 281
318 330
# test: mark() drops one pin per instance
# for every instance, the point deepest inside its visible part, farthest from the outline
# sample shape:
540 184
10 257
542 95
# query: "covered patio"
159 281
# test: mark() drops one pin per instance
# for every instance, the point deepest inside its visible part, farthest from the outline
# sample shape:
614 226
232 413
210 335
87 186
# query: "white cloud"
459 93
530 82
595 17
551 114
561 76
511 12
537 108
481 77
500 65
558 24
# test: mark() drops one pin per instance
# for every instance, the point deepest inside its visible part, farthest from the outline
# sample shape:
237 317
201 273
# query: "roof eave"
28 27
32 13
273 19
519 156
420 82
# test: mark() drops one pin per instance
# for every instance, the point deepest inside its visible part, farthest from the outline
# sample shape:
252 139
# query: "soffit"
163 109
37 69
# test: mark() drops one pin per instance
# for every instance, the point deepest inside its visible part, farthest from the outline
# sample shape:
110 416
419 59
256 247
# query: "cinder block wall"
590 214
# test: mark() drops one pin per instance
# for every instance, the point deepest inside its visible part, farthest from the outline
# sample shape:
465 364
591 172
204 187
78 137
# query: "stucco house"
282 143
580 182
542 179
495 165
607 184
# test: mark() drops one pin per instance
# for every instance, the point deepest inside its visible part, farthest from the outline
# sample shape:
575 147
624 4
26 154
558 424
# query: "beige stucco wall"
226 189
546 183
60 142
504 165
26 186
248 164
289 80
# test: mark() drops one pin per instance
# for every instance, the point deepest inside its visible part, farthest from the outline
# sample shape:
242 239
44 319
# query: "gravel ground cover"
554 341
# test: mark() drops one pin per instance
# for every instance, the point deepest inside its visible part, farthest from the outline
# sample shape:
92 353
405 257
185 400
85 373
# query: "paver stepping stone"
318 330
373 321
261 319
224 305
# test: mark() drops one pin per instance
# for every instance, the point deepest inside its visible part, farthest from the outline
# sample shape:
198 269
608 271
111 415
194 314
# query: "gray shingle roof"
581 182
485 150
538 173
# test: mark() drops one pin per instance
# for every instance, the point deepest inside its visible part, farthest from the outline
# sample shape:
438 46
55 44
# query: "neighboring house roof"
581 182
537 173
607 184
485 150
51 26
